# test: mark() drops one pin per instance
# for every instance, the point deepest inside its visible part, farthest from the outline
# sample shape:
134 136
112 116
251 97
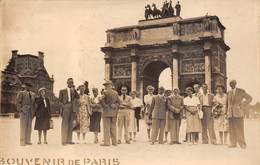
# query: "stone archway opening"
151 74
165 78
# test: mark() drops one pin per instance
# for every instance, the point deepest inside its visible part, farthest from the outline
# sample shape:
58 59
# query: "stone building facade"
23 68
194 49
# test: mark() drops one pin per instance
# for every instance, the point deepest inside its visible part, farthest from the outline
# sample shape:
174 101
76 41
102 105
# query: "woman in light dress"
84 113
147 103
192 108
136 105
219 111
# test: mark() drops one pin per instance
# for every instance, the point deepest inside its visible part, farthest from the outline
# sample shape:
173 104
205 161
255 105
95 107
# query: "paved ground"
139 152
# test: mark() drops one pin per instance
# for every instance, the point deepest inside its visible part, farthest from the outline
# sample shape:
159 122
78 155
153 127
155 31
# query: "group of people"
203 112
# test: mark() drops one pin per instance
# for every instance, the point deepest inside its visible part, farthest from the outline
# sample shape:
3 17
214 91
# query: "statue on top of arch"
152 12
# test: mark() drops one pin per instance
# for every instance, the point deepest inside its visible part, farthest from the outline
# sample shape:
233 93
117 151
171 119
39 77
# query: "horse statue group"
167 10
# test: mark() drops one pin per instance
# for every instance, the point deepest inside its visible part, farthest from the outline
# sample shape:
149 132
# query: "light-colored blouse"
191 101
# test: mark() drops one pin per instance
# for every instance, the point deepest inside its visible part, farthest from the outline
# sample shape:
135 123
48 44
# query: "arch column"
108 62
208 73
175 70
134 60
107 68
207 55
175 62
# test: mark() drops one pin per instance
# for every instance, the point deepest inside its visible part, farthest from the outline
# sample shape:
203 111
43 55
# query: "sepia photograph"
130 82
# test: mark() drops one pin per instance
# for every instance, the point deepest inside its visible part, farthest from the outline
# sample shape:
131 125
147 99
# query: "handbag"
200 114
51 124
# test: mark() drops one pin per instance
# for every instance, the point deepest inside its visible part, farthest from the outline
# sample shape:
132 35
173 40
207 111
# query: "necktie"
123 97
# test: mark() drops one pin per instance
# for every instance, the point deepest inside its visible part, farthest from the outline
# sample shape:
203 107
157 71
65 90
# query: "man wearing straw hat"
110 103
25 106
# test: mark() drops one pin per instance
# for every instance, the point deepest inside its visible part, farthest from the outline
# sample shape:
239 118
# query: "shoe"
39 143
114 144
161 142
104 145
29 143
96 141
232 146
119 142
205 142
243 147
152 143
127 142
171 143
23 144
64 144
71 143
189 143
45 142
178 143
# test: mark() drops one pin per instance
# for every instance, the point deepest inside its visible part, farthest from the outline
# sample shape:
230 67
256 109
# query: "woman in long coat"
43 115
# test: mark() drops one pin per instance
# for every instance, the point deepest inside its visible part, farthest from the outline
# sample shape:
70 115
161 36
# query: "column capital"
108 60
134 58
106 49
174 42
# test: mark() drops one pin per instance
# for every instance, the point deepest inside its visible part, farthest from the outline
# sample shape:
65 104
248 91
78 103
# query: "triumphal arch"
193 48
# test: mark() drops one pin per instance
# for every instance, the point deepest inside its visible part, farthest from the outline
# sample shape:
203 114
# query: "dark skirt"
95 119
42 123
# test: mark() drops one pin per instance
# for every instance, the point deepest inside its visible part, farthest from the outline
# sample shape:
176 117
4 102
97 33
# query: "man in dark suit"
25 106
158 112
237 100
68 98
110 103
206 100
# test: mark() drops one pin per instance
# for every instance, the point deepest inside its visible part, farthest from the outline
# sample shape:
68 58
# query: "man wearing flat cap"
25 106
237 100
110 103
158 111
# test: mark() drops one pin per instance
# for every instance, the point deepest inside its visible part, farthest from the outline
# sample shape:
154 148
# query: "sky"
71 32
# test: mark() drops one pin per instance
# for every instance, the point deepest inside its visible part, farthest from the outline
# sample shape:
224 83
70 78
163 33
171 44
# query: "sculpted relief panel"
121 70
192 66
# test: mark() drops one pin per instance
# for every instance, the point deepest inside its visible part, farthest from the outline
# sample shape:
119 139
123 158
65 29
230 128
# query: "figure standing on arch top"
178 9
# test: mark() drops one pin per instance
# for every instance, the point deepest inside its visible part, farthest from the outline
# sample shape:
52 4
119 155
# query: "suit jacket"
25 102
236 103
158 107
175 105
64 99
210 99
110 103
